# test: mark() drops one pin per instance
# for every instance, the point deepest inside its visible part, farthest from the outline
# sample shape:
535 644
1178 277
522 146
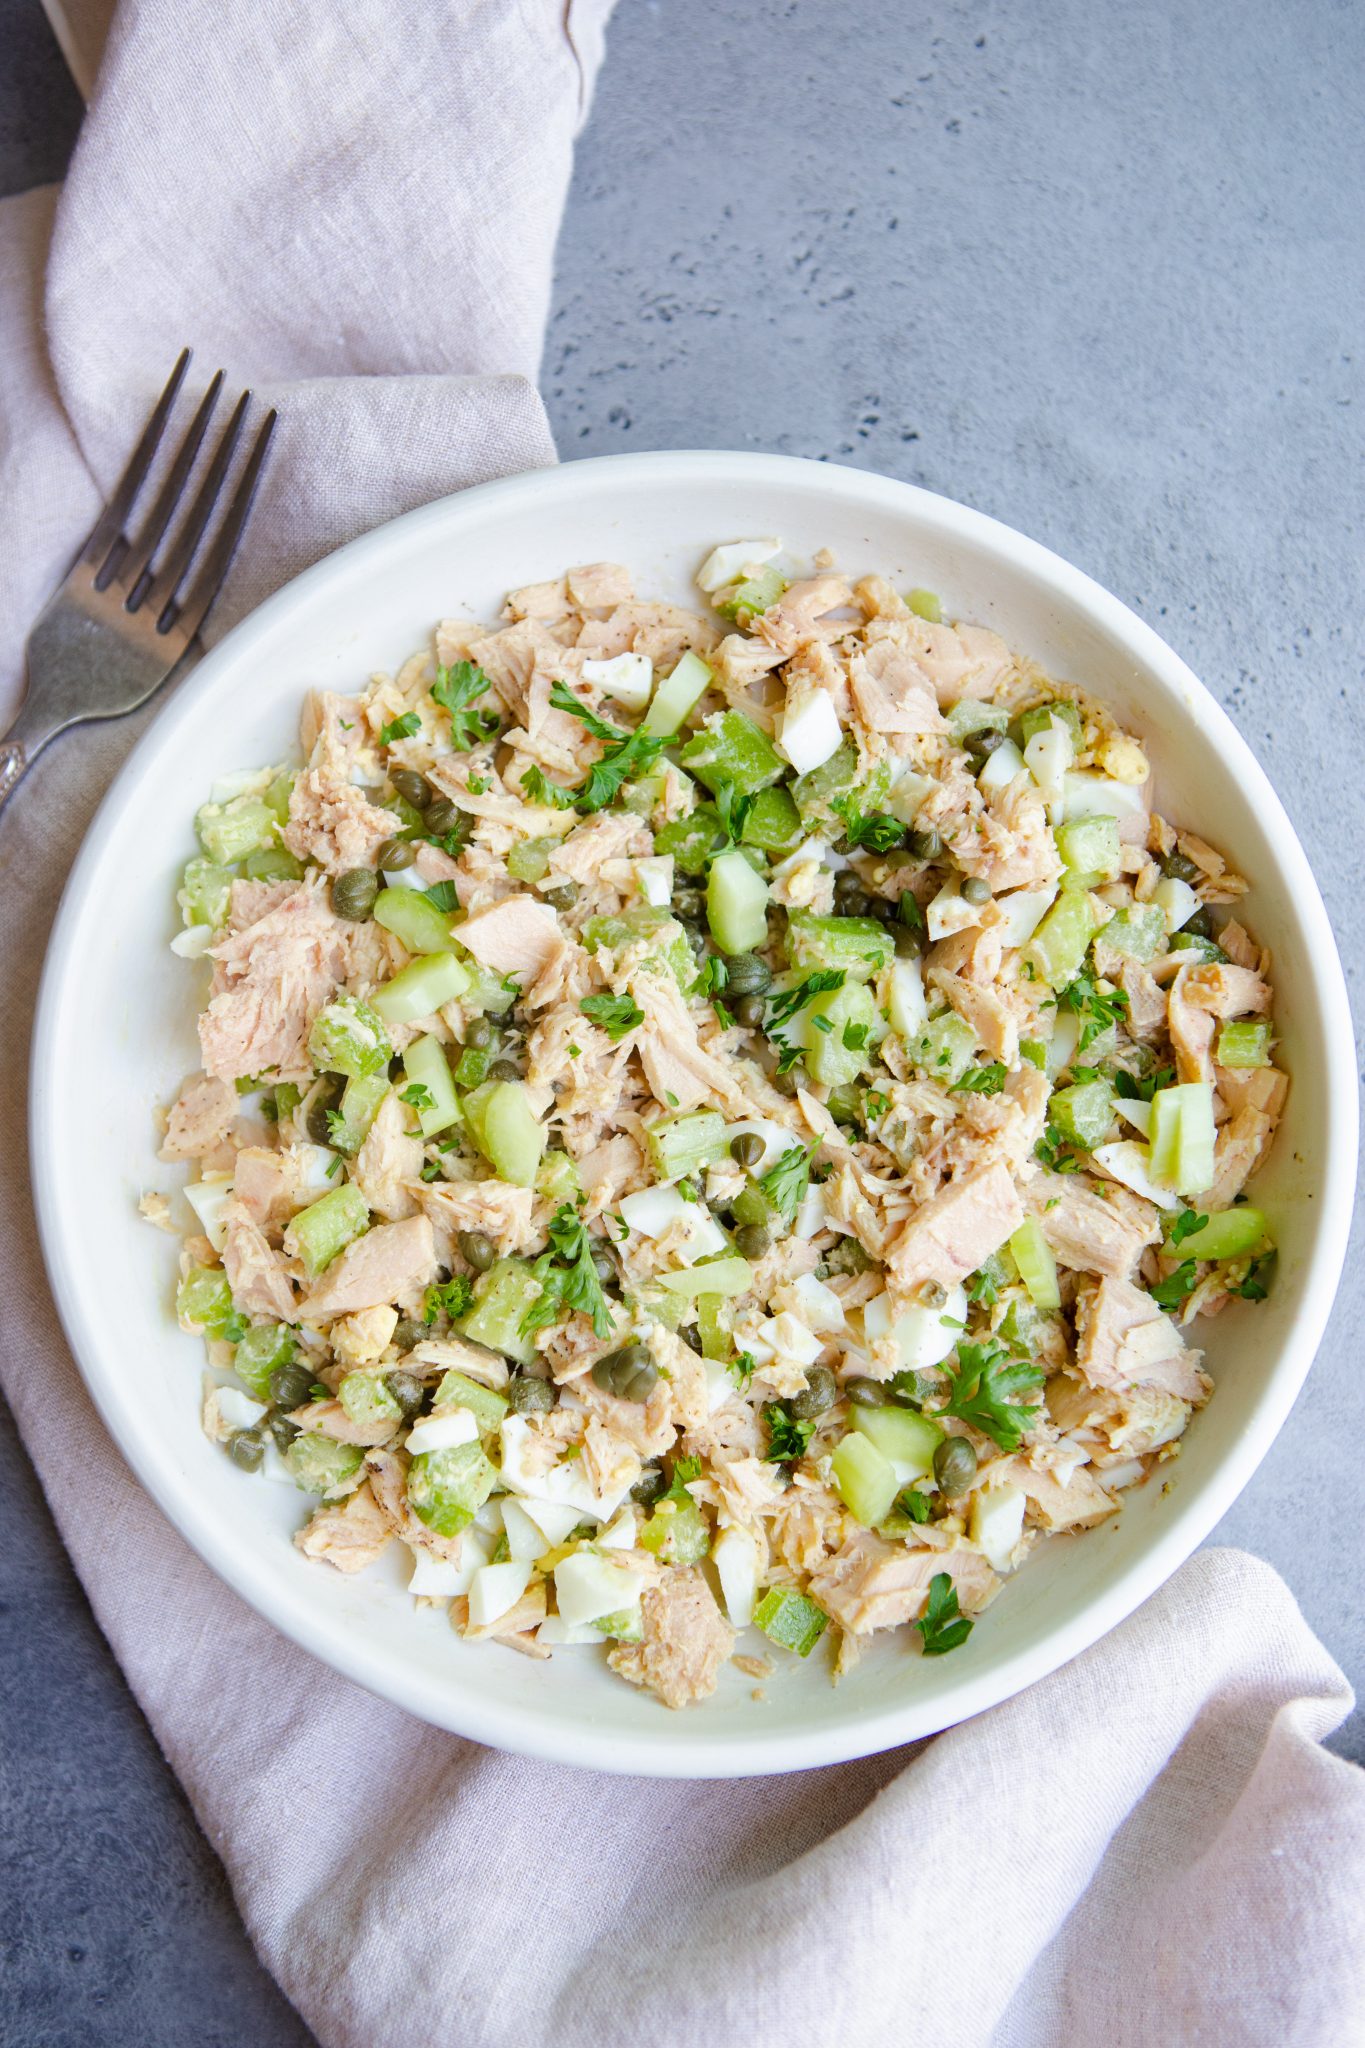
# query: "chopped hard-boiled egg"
820 1308
525 1541
909 1009
655 1210
588 1586
950 912
997 1523
443 1432
786 1337
629 678
1021 912
1048 756
735 559
924 1336
566 1484
209 1198
735 1557
1131 1163
1176 901
654 879
811 733
193 942
1001 767
495 1590
1098 796
777 1139
237 1410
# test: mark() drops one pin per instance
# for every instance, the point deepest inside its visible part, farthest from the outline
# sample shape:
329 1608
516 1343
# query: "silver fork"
118 626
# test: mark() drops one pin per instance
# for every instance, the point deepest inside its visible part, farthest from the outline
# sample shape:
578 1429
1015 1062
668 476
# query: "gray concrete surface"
1092 266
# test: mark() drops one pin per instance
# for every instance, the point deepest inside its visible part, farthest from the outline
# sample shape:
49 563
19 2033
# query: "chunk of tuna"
870 1584
1123 1339
331 821
951 1235
1191 1029
611 835
891 691
349 1534
390 1156
1090 1232
393 1262
329 1418
200 1118
518 937
260 1285
800 613
271 979
1077 1502
1242 1144
388 1481
493 1206
1227 991
686 1640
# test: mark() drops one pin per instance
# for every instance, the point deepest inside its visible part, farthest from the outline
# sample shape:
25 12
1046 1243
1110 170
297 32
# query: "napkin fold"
355 210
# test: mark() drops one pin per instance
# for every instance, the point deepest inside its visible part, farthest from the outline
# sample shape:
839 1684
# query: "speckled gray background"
1093 266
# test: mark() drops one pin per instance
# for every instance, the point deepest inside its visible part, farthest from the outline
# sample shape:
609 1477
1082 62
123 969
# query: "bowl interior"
116 1037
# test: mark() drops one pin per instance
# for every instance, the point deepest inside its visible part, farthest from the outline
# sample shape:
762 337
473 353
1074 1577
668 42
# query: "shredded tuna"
686 1641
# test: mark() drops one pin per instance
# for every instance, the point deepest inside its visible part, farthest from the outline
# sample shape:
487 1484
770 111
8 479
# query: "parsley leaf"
538 790
942 1626
616 1014
568 1278
1052 1150
785 1183
987 1080
452 1297
1185 1225
1260 1274
628 755
400 728
787 1438
785 1006
455 689
1134 1090
1176 1287
1097 1008
734 809
983 1286
743 1368
875 829
417 1096
914 1503
985 1390
855 1037
714 976
443 896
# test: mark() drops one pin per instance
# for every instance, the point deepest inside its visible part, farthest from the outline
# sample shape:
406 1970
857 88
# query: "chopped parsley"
942 1626
855 1036
988 1080
1134 1090
1260 1274
628 754
1052 1150
616 1014
714 976
568 1278
784 1007
914 1504
985 1392
417 1096
1096 1007
1185 1225
787 1438
452 1297
443 896
455 689
983 1286
537 790
743 1368
734 808
1176 1287
877 830
400 728
786 1183
432 1170
875 1104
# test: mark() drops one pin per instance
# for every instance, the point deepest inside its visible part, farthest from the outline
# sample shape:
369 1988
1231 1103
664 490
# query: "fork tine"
216 563
109 525
135 567
171 573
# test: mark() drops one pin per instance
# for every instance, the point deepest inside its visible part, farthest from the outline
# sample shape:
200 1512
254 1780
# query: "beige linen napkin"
355 209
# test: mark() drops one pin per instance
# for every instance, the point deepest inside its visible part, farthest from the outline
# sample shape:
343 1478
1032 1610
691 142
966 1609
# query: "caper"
527 1395
603 1265
974 890
1179 866
630 1374
563 896
479 1034
752 1241
650 1484
819 1393
859 905
1201 924
353 894
981 745
326 1098
865 1393
289 1384
407 1332
696 939
443 817
954 1465
847 882
407 1391
750 1012
478 1248
747 975
908 944
412 787
691 1337
393 855
747 1149
396 1067
246 1448
928 844
281 1432
688 903
788 1083
504 1070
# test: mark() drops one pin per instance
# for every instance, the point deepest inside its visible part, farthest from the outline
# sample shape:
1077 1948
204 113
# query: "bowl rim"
672 1751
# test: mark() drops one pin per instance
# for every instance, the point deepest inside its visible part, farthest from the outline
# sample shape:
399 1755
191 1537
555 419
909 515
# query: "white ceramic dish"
115 1036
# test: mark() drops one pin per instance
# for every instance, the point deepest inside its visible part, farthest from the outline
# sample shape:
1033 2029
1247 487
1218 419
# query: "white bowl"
115 1036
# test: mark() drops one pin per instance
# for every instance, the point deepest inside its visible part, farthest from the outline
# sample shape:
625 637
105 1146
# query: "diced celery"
751 1205
1058 947
458 1391
366 1399
645 921
675 696
528 860
421 988
558 1179
262 1350
1244 1045
842 1030
471 1069
1182 1137
1084 1112
447 1488
815 791
1138 932
692 840
506 1130
736 904
320 1465
287 1099
1194 950
1035 1052
944 1049
1037 1267
644 795
205 889
790 1620
502 1296
713 1326
277 796
317 1234
902 1435
865 1478
1228 1234
1040 718
359 1107
925 605
490 993
272 864
425 1066
204 1299
228 832
970 715
414 920
722 1276
752 594
349 1038
773 823
1090 851
681 1145
858 945
730 752
677 1532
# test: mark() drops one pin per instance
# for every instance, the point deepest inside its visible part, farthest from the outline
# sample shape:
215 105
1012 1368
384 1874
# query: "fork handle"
21 746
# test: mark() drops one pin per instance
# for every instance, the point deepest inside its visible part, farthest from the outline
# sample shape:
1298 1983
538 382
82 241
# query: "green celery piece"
1196 951
277 796
263 1350
722 1275
773 823
831 1061
366 1399
359 1108
1182 1137
1244 1045
506 1130
272 864
317 1234
680 1145
447 1488
944 1049
900 1433
558 1178
1058 947
348 1037
1084 1112
1138 932
414 920
422 988
713 1326
1090 850
736 904
488 992
675 697
646 921
502 1297
1037 1266
230 831
731 752
471 1069
970 715
204 893
677 1532
204 1298
1228 1234
864 1478
626 1625
815 791
752 594
751 1205
529 859
790 1620
319 1465
458 1391
861 946
692 840
425 1066
925 605
1039 719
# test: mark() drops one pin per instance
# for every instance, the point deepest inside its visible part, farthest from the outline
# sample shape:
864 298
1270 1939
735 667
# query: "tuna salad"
713 1120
